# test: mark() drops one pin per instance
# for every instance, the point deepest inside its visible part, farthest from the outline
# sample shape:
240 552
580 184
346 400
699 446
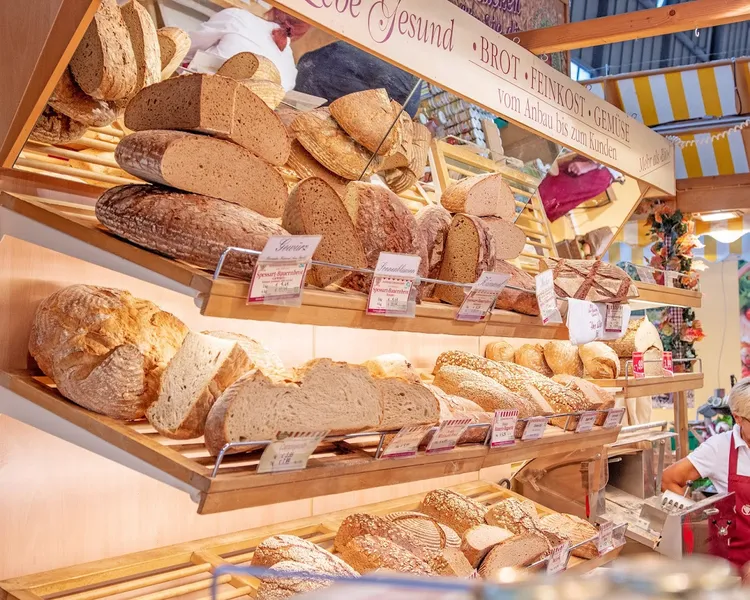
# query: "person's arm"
676 476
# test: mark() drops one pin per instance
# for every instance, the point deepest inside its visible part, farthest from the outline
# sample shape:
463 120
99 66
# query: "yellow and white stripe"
721 156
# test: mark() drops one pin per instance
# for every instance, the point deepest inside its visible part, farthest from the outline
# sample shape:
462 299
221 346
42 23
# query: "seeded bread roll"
359 524
576 530
368 117
480 539
516 552
481 195
454 510
70 100
599 361
53 127
515 300
500 351
509 239
246 65
369 553
562 357
174 44
145 44
531 356
279 548
278 588
514 515
434 222
430 534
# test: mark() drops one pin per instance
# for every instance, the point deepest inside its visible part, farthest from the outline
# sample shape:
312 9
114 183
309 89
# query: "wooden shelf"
186 465
652 294
169 570
652 386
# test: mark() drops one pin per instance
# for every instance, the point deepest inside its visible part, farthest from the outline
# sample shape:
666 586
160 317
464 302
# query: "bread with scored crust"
369 118
358 524
284 547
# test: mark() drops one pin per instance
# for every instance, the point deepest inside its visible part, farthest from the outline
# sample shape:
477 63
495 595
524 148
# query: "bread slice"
276 587
284 547
455 510
482 196
576 530
174 44
53 127
369 553
433 222
104 64
69 99
392 365
368 117
271 93
359 524
516 552
451 562
215 105
469 251
406 403
509 239
246 65
302 162
202 369
513 515
204 165
562 357
145 43
480 539
314 208
322 396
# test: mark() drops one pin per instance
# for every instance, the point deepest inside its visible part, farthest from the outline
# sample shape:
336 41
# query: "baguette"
368 117
482 196
452 509
480 539
369 553
174 44
279 548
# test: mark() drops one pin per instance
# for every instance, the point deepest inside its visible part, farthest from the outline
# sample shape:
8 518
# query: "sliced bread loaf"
277 587
368 117
215 105
369 553
314 208
246 65
406 403
302 162
53 127
480 539
431 535
515 552
70 100
359 524
204 165
145 44
174 44
521 300
283 547
433 222
260 357
202 369
455 510
509 239
481 195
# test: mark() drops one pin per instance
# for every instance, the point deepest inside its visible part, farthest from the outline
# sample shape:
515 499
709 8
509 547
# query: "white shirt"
711 458
235 30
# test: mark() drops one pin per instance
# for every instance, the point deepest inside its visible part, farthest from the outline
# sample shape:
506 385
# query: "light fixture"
718 216
727 236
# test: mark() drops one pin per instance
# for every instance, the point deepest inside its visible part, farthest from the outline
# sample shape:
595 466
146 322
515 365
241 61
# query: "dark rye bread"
433 222
314 208
104 63
53 127
509 239
188 227
368 116
70 100
145 44
204 165
469 250
521 300
481 195
215 105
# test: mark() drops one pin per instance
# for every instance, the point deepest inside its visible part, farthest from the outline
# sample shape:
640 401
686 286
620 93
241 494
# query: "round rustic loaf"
531 356
501 350
431 535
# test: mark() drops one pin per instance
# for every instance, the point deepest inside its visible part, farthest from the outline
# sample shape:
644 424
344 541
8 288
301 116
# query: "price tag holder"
645 274
534 429
604 541
614 418
545 297
504 428
667 365
671 278
447 435
279 275
584 321
558 560
392 293
406 442
613 318
290 451
481 298
639 367
586 421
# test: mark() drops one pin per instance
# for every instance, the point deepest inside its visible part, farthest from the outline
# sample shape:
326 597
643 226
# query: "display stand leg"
681 424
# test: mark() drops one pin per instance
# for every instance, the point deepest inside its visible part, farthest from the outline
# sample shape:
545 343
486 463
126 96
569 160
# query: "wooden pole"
681 424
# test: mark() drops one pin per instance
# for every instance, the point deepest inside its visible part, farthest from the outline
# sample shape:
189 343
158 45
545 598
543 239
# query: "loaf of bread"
521 300
70 100
215 105
145 43
509 239
597 397
433 222
591 280
246 65
531 356
641 335
399 159
481 195
469 251
431 535
260 357
53 127
368 117
514 515
317 398
599 361
279 548
314 208
174 44
562 358
275 587
104 64
480 539
189 227
515 552
304 165
652 363
453 509
271 93
392 365
369 553
405 403
451 403
104 349
358 524
576 530
501 350
451 562
204 165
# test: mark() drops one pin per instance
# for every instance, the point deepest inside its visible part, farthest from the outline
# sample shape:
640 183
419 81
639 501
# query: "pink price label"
406 442
558 560
447 435
476 305
535 428
586 421
276 281
389 296
504 428
667 366
604 541
639 367
614 418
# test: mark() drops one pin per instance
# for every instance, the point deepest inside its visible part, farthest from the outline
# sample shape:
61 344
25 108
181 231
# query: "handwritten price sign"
290 452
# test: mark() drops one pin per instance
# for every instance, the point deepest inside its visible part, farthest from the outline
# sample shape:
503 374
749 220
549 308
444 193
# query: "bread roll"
453 509
562 358
599 361
531 356
501 350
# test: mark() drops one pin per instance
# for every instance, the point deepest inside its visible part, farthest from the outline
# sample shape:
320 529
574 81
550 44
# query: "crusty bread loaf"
451 562
369 553
399 159
359 524
598 397
652 363
104 64
53 127
283 547
514 515
204 165
304 165
481 195
640 336
368 117
431 535
433 222
271 93
319 397
260 357
531 356
599 361
202 369
455 510
174 44
516 552
469 250
189 227
480 539
501 350
246 65
562 357
515 300
574 529
70 100
392 365
451 403
405 403
314 208
509 239
104 349
215 105
145 44
275 587
591 280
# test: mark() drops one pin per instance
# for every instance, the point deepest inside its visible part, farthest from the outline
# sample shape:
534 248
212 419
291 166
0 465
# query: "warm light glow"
718 216
726 236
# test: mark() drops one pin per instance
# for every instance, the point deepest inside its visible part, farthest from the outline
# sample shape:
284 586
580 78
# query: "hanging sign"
290 452
447 435
481 298
406 442
392 293
667 366
546 299
639 367
504 428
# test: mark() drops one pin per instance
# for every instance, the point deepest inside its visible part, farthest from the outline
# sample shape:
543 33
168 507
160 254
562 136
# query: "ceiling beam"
706 194
697 14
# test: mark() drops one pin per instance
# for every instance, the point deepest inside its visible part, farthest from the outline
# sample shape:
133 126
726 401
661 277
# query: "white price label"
545 297
534 429
614 417
645 274
406 442
482 296
613 319
290 451
586 421
504 428
558 560
604 541
390 296
447 435
671 278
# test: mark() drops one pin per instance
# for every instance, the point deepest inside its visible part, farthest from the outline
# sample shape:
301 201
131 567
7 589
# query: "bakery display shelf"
336 466
652 386
187 568
652 294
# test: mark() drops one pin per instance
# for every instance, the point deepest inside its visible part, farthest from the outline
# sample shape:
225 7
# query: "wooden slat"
64 169
652 386
662 295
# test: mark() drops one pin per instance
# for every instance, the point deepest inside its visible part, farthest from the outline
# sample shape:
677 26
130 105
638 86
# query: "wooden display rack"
188 568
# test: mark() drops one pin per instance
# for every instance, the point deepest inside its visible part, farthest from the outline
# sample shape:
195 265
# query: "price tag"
604 541
645 274
614 418
639 367
290 452
504 428
482 296
558 560
279 275
406 442
586 421
613 318
584 321
392 292
534 429
671 278
545 297
667 366
447 435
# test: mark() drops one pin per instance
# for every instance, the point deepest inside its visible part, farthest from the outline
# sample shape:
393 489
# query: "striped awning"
721 156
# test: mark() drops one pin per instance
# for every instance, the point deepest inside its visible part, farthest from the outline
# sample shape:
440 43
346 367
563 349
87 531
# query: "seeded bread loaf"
431 535
521 300
482 196
516 552
70 100
358 524
514 515
433 222
369 553
275 587
597 397
104 64
279 548
562 357
531 356
453 509
591 280
189 227
246 65
509 239
599 361
302 162
392 365
452 403
576 530
104 349
500 351
260 357
53 127
204 165
469 250
174 44
368 117
451 562
145 44
640 336
215 105
480 539
405 403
